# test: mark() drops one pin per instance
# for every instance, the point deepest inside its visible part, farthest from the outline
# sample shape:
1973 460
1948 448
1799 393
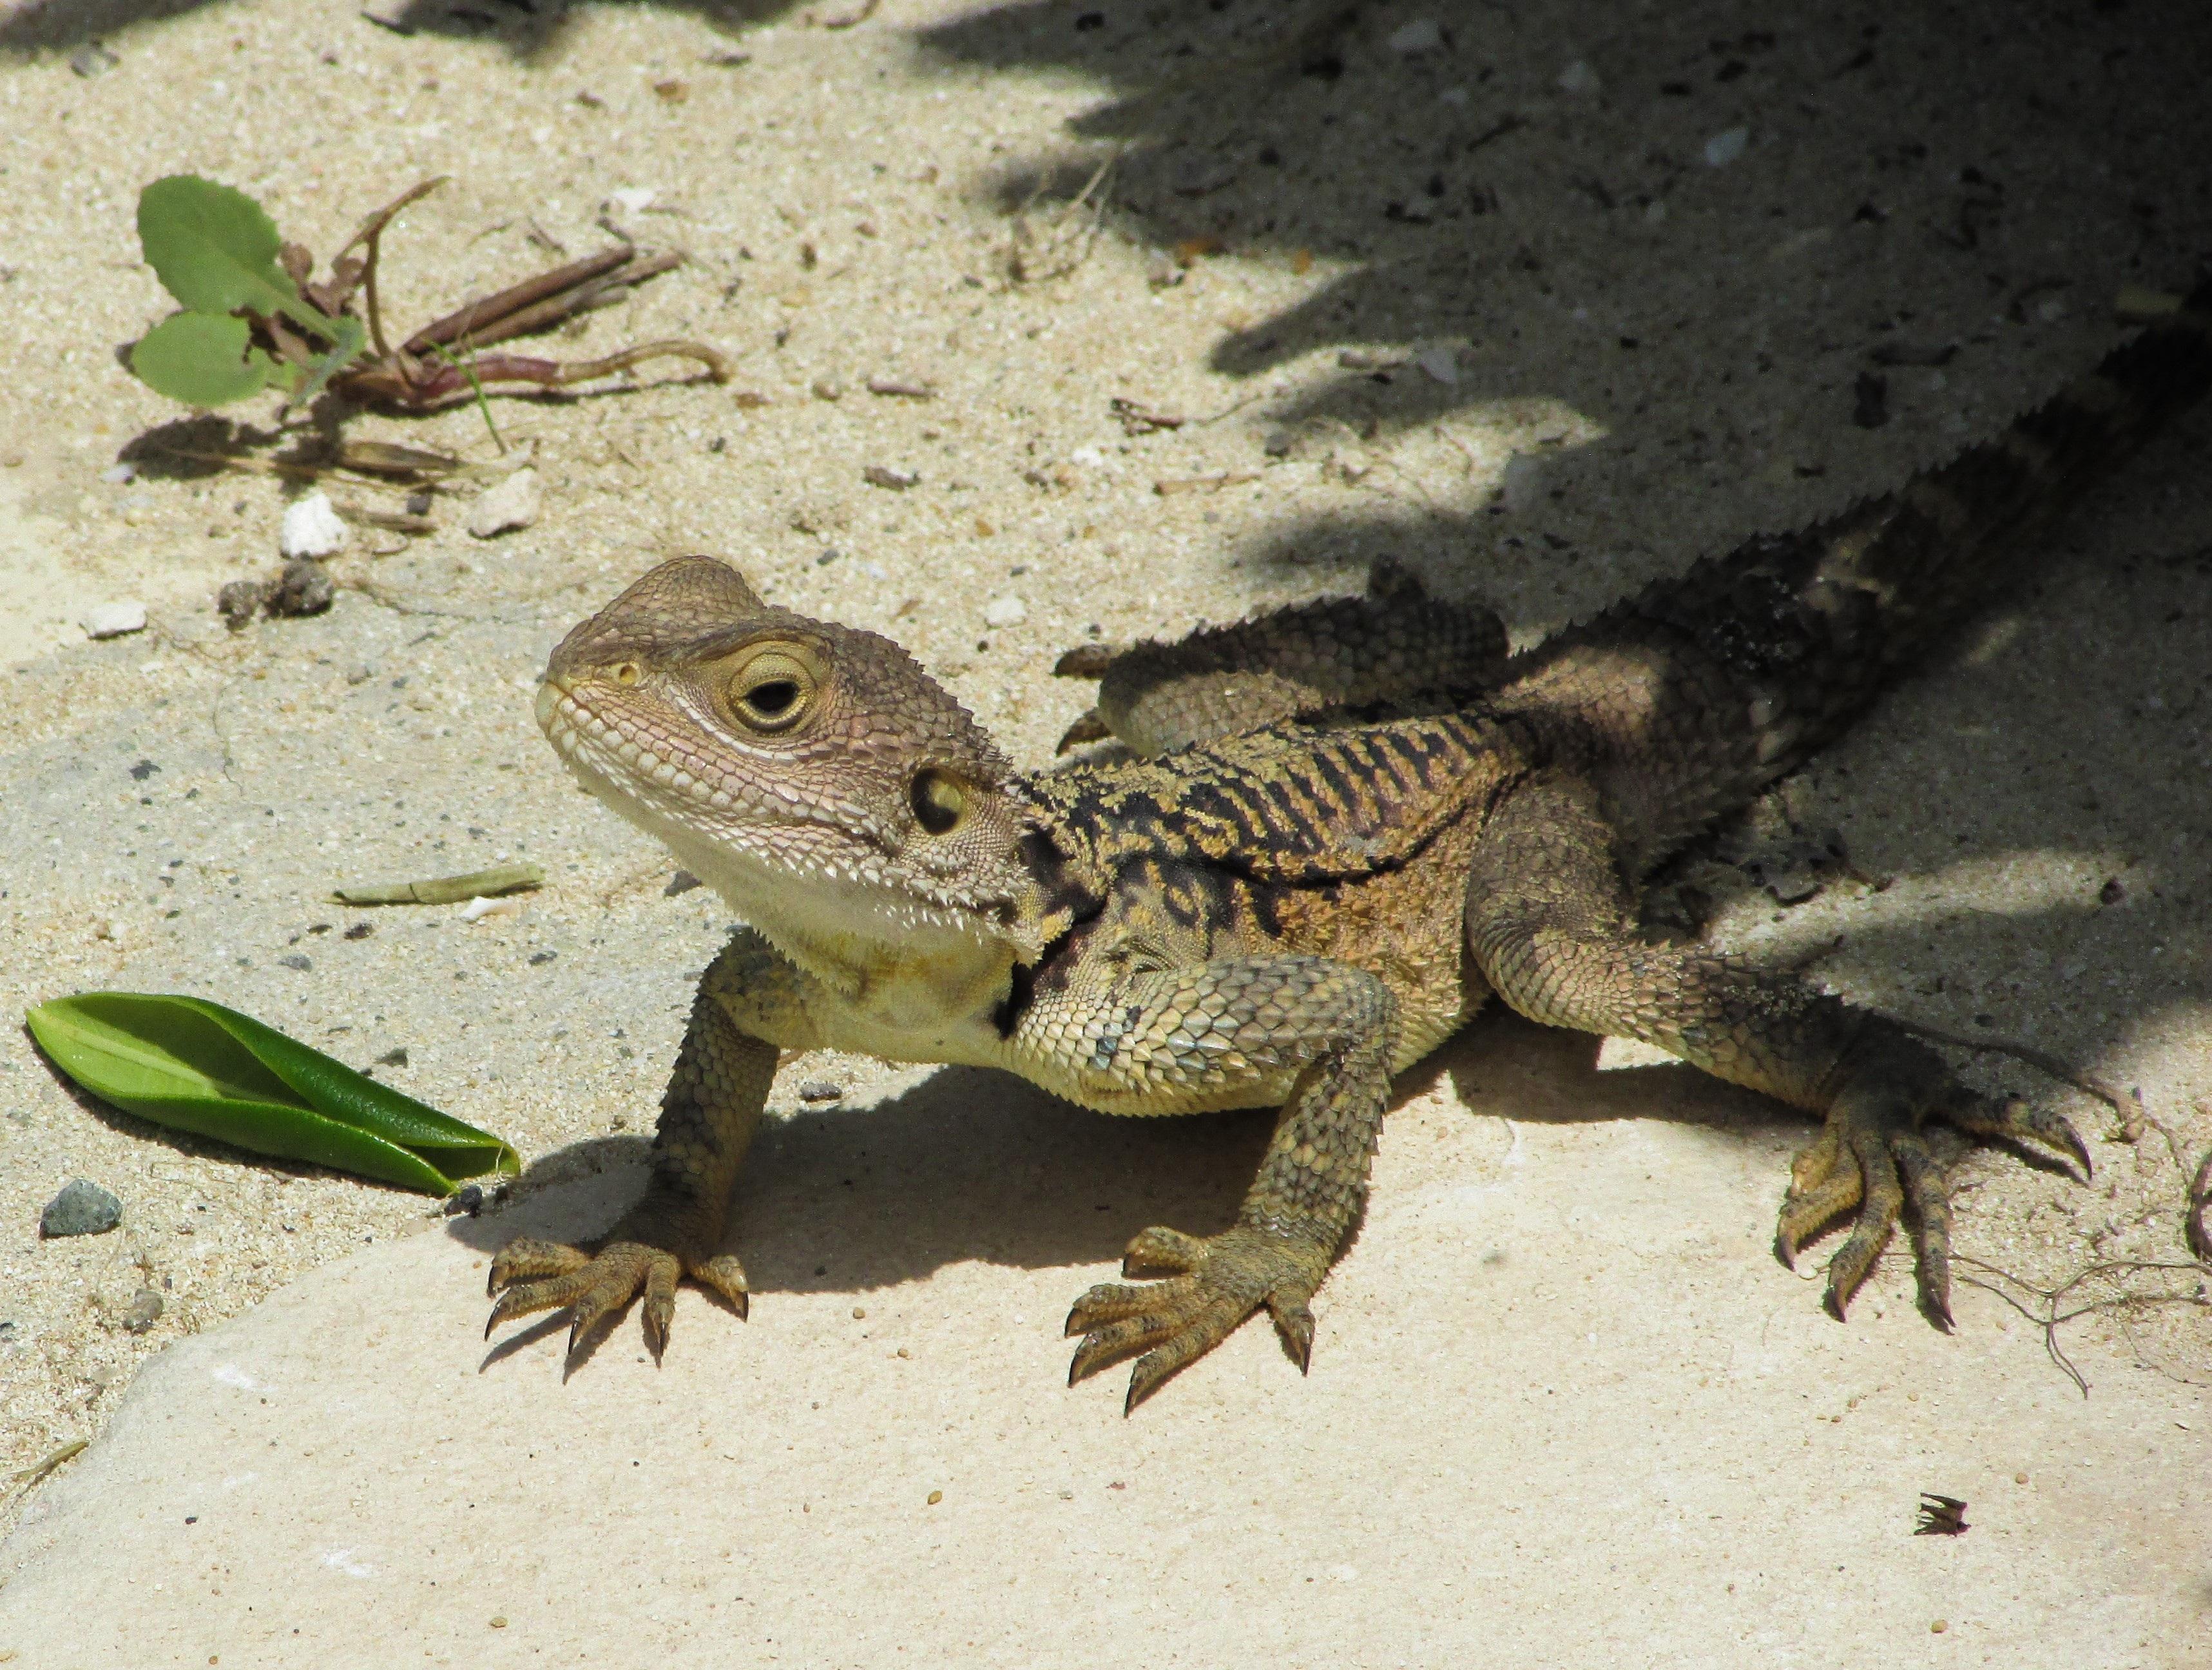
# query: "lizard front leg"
708 1117
1548 924
1320 1034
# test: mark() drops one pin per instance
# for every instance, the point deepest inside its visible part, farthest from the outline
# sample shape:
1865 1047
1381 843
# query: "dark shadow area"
525 27
1649 229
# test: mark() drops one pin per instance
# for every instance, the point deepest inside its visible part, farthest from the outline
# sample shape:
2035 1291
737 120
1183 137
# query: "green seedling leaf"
195 1066
212 247
201 359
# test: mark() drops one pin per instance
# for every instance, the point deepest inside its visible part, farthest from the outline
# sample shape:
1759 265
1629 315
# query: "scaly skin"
1336 831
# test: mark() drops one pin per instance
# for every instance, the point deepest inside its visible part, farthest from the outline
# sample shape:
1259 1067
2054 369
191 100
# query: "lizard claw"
1871 1155
1219 1281
531 1276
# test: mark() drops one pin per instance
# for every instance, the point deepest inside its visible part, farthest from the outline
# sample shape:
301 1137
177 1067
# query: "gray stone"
82 1208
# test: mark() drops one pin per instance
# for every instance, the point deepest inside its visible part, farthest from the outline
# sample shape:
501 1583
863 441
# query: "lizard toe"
1224 1280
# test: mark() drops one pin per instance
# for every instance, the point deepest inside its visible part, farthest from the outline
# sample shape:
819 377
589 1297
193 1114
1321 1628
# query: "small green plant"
255 318
195 1066
217 251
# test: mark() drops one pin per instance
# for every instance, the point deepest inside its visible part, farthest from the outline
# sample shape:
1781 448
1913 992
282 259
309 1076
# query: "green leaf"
215 249
352 337
195 1066
212 247
201 359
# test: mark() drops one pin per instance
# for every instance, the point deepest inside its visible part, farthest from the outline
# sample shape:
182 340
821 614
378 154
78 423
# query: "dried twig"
1067 242
2049 1316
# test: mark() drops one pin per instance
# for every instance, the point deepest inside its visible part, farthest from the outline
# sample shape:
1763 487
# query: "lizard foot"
1217 1282
1871 1155
530 1275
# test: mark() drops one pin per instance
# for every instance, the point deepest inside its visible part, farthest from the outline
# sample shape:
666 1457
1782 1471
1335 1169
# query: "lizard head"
834 793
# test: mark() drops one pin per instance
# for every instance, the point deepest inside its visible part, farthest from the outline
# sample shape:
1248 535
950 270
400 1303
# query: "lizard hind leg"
1549 924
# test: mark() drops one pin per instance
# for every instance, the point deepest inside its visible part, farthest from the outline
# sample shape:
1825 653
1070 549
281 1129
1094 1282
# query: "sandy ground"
1466 305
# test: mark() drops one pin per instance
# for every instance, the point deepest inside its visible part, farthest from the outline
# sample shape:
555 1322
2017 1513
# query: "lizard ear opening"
938 800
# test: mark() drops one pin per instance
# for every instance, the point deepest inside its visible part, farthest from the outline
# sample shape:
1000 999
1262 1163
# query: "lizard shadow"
968 1164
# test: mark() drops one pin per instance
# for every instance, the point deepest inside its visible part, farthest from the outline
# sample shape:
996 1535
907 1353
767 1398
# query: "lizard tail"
1687 700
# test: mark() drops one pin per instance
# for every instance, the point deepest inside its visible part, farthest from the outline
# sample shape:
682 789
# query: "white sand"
2064 748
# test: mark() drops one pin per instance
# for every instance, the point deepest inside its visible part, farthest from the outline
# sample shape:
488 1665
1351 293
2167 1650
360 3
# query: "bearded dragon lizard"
1334 833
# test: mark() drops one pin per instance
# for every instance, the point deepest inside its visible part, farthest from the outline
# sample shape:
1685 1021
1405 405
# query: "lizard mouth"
642 772
615 763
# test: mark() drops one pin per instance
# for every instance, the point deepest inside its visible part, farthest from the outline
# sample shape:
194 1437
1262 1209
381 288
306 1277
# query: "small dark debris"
304 588
681 881
539 959
469 1198
418 504
1941 1516
239 601
1985 1020
93 58
2112 892
299 960
142 770
393 1057
1277 444
1913 353
1086 21
1870 401
143 1311
821 1089
1675 89
361 930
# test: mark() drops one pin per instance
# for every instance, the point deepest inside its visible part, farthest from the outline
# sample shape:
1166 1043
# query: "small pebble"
1725 147
825 389
114 620
681 881
859 1315
311 527
935 1496
1421 35
1441 365
82 1208
897 481
143 1310
1579 79
515 503
1520 482
632 199
1938 1627
92 59
297 960
1008 610
821 1089
499 1623
116 474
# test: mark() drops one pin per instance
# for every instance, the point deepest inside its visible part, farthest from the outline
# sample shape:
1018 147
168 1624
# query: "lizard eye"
939 801
772 690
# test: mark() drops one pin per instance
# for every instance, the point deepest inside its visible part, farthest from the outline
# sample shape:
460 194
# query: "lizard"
1329 835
